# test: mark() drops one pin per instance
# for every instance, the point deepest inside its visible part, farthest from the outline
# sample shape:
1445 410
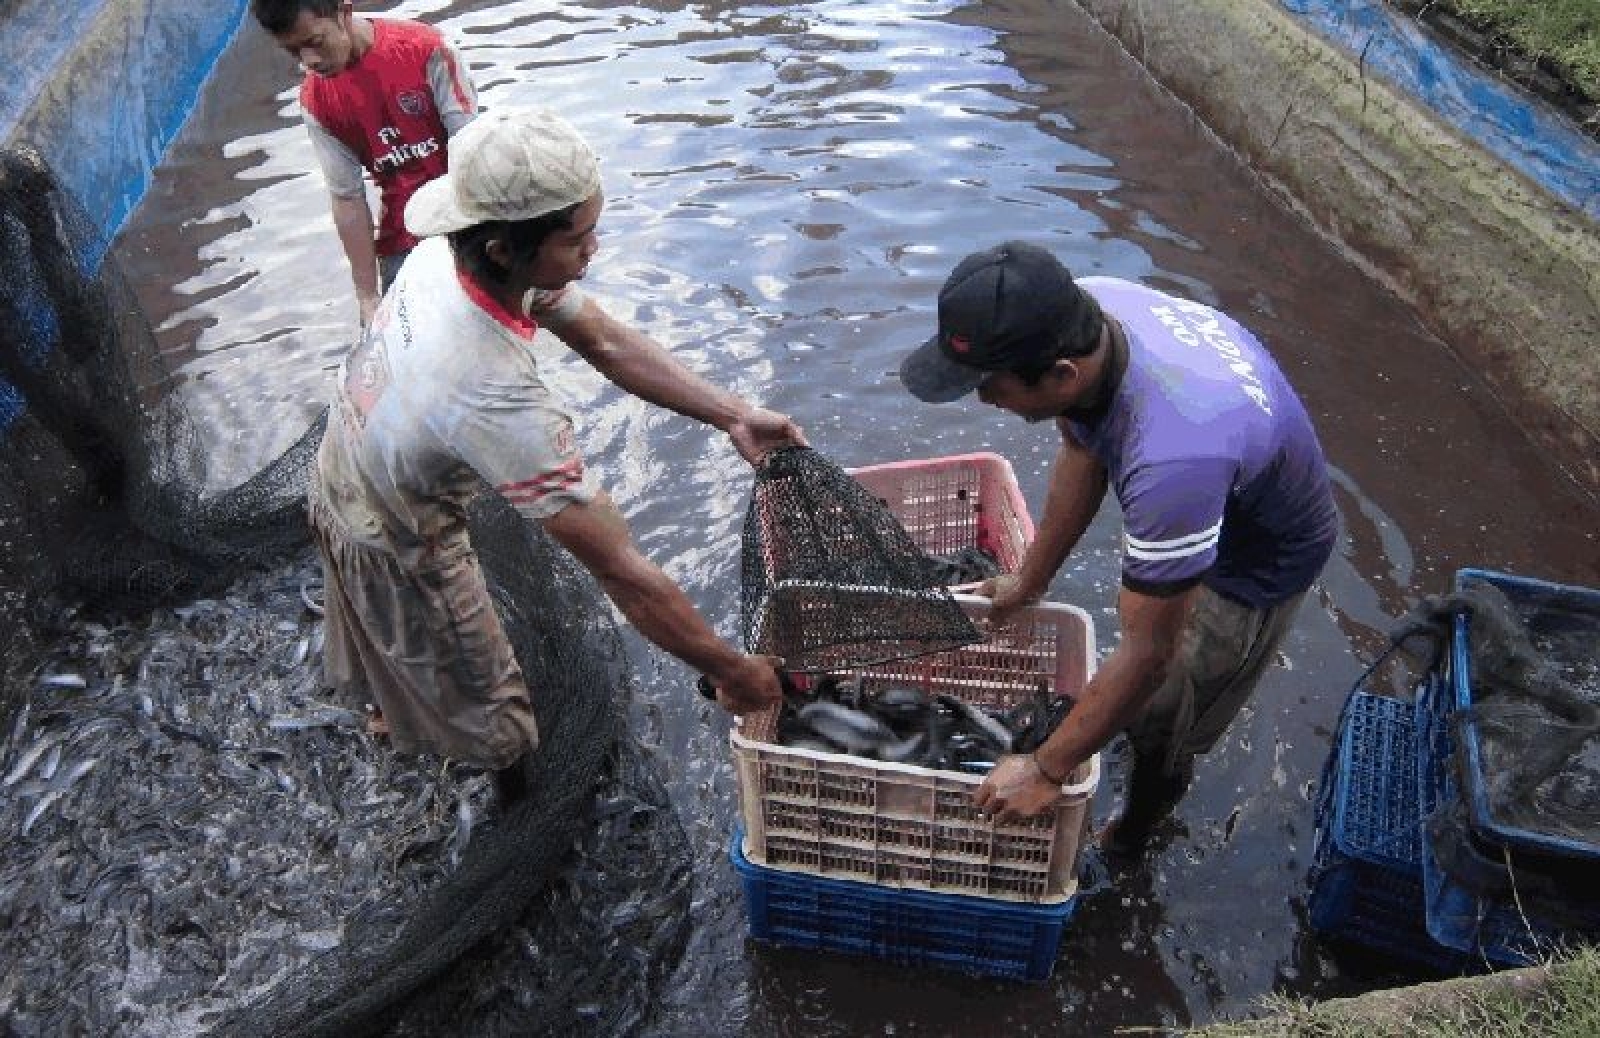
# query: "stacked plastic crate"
1497 892
847 854
1366 876
1409 859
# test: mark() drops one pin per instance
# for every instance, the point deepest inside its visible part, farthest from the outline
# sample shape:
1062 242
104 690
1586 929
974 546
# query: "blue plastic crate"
1366 876
1580 605
1502 929
975 935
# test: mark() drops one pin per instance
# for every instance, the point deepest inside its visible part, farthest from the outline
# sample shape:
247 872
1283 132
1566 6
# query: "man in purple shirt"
1227 512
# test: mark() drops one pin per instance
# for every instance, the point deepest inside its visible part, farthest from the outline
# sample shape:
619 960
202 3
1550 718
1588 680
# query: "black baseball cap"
1002 308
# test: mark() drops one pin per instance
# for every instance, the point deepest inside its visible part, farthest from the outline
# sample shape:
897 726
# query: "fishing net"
103 475
830 579
197 841
1534 667
571 652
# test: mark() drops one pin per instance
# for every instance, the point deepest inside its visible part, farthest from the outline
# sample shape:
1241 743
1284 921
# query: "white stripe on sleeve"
1176 548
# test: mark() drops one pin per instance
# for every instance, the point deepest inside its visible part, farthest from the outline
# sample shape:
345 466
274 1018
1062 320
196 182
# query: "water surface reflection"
787 187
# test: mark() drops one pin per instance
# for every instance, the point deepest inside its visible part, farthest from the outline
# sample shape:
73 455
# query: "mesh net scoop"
830 579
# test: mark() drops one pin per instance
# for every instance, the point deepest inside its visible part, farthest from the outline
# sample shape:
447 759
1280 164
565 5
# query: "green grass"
1569 1007
1565 32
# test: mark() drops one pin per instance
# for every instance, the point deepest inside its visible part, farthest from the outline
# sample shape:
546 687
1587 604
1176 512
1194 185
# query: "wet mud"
787 187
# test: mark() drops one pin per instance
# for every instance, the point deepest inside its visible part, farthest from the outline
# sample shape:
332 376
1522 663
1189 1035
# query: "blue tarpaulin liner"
1526 134
100 88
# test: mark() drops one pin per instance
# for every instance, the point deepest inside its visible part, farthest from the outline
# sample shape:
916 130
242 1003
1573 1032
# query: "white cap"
513 164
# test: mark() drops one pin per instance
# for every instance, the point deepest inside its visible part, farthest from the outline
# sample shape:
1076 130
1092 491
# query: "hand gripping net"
830 580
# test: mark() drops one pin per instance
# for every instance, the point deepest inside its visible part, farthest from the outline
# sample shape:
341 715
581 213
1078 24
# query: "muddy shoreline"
1503 272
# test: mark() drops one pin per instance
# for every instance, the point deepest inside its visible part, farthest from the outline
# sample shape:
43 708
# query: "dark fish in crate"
966 565
903 709
859 733
830 727
1035 720
979 723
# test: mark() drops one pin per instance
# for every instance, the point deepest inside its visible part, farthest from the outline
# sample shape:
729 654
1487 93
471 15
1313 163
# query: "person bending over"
443 394
383 95
1227 511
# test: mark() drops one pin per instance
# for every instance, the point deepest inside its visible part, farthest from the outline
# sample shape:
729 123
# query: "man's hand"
369 306
760 431
749 685
1007 596
1016 789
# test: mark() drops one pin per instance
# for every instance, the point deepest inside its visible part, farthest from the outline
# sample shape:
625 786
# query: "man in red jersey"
382 95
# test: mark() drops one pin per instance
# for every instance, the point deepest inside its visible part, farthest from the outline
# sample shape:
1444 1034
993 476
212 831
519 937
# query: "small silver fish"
463 831
29 759
321 717
63 681
76 772
52 761
40 808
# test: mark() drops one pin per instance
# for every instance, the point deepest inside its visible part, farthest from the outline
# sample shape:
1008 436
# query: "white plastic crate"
898 825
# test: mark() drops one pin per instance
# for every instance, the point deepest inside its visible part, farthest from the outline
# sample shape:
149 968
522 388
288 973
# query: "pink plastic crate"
955 502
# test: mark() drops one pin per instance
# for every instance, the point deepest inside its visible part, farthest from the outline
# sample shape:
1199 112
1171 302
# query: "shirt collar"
519 323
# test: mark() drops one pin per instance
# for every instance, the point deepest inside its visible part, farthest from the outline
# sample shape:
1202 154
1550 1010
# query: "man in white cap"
442 393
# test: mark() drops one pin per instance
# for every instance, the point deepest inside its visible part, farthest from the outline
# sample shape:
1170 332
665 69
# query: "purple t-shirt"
1211 454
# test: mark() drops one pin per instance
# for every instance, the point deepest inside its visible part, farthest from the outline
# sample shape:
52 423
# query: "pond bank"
1560 999
1504 271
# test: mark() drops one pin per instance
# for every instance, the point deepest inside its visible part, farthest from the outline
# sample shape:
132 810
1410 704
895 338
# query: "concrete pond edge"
1507 274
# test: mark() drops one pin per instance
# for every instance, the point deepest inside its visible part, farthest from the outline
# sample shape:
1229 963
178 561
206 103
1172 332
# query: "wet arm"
1121 690
597 535
643 367
352 218
1077 486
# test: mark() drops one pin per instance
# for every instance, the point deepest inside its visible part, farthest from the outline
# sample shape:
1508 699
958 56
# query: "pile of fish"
966 565
909 726
188 821
590 955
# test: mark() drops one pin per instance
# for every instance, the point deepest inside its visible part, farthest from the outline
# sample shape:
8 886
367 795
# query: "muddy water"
787 186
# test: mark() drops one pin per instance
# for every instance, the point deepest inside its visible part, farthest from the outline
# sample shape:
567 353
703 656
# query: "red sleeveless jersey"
384 109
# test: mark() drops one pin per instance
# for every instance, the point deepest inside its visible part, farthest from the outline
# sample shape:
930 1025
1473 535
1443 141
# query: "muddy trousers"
1226 647
425 644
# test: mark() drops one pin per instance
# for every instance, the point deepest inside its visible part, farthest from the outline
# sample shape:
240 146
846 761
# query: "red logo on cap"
959 344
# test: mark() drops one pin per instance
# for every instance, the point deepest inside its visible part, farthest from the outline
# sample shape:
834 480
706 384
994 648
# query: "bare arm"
352 218
598 537
643 367
1077 486
1119 693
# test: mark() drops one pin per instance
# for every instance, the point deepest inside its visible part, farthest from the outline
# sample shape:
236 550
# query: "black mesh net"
103 477
1534 669
198 841
830 579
